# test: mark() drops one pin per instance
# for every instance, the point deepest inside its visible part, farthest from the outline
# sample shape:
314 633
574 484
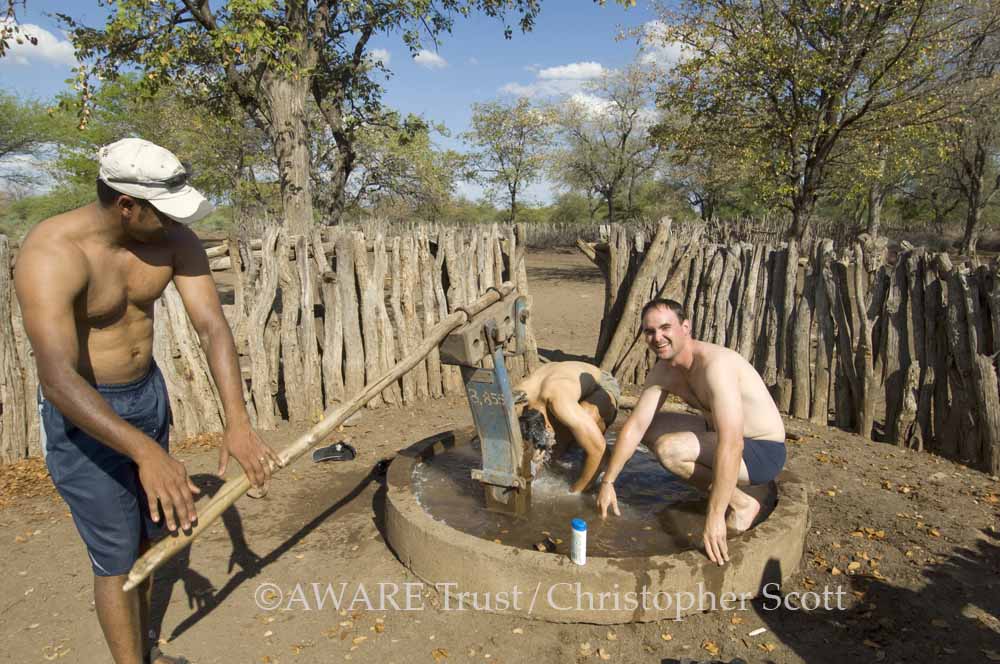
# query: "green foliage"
225 152
786 90
398 168
606 146
18 217
268 57
510 142
27 131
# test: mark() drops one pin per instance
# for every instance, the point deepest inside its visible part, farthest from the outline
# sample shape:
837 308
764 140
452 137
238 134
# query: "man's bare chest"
690 391
124 282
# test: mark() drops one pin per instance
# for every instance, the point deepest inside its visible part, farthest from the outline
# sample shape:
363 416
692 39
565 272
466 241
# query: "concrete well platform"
479 574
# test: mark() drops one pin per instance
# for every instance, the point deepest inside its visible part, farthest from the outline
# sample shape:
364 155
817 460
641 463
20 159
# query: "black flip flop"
335 452
155 652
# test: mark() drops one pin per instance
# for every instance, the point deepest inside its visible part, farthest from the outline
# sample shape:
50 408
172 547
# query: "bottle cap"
579 524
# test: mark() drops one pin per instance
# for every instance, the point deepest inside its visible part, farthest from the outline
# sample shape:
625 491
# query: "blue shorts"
100 485
764 459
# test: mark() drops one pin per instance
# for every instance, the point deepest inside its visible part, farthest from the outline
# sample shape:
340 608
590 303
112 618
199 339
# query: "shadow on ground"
566 273
202 596
953 618
558 355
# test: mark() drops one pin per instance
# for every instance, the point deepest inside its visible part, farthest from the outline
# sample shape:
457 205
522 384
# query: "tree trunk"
290 134
874 222
971 236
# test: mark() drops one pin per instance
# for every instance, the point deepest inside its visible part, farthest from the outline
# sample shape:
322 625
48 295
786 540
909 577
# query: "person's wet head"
534 430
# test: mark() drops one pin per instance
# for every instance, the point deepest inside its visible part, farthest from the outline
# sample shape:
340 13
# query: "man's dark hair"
673 305
533 428
107 196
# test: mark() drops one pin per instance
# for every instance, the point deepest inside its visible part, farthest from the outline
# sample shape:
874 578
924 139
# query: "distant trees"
510 143
783 89
605 143
399 167
273 59
27 131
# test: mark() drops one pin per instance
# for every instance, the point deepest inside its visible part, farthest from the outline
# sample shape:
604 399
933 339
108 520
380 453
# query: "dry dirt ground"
911 539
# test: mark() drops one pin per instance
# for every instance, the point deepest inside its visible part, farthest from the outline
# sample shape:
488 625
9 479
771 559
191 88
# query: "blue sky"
573 40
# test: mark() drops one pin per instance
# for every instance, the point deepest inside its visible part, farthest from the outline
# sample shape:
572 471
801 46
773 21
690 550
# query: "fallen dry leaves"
28 478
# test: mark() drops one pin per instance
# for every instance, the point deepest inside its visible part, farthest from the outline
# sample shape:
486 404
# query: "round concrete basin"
477 574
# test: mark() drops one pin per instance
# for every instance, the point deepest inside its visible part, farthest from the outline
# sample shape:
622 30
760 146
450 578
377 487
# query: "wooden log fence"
902 348
311 334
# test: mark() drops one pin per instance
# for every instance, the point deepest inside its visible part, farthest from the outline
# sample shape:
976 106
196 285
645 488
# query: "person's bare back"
578 402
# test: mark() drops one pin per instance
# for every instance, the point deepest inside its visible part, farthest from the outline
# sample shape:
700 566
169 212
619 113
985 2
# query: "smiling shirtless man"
87 281
566 403
746 446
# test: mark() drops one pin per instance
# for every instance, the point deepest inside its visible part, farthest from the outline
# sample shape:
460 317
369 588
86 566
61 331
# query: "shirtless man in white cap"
735 461
87 281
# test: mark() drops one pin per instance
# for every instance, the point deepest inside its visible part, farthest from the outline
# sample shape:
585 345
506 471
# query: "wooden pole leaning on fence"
233 489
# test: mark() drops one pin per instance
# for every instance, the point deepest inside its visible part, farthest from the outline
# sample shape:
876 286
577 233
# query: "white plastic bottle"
578 549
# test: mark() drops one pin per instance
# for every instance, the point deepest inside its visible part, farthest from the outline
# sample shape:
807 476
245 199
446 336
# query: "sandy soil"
911 539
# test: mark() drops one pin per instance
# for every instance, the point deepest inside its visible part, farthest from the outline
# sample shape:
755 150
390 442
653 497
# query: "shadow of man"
199 589
202 596
952 617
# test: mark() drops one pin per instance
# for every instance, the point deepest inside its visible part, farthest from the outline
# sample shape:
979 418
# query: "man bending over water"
735 461
567 402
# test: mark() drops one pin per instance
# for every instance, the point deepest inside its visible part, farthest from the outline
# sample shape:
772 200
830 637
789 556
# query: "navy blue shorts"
100 485
764 459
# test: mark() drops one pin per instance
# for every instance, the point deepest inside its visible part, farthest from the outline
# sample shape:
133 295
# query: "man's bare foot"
749 503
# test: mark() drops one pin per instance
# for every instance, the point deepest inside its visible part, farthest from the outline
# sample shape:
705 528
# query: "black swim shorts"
100 485
764 459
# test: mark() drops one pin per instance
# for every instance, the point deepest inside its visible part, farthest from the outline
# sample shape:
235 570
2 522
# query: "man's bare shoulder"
53 249
714 356
659 376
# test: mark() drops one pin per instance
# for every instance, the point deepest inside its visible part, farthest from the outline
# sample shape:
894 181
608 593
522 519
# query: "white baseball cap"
138 168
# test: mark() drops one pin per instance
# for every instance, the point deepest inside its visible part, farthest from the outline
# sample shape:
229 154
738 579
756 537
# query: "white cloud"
655 50
597 107
430 60
574 71
380 55
557 81
473 61
49 48
592 103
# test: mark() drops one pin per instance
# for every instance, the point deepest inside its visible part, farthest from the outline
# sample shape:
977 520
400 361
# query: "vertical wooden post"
347 290
291 350
521 281
800 364
396 306
962 423
783 395
13 401
312 380
261 312
823 322
333 330
202 389
428 299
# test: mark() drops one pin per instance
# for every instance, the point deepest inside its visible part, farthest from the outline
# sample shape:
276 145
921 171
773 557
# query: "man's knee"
667 447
